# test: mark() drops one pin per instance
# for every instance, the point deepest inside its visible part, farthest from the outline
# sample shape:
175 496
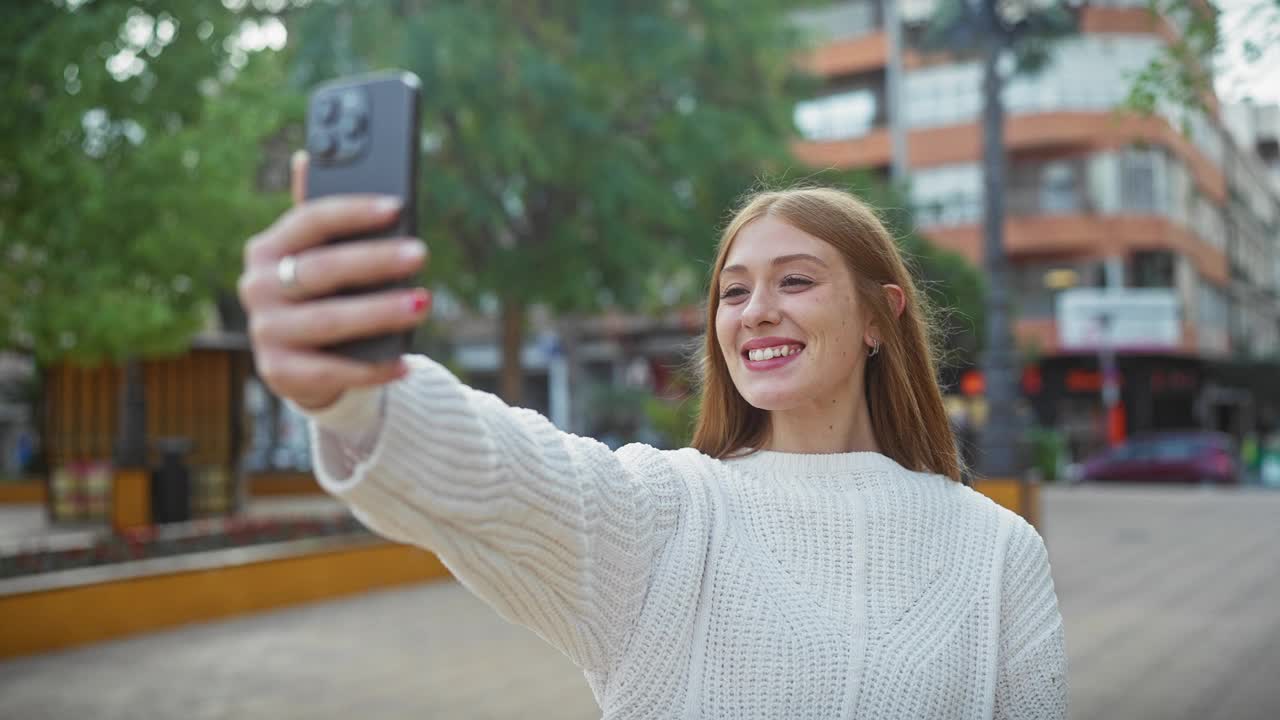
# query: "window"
947 195
1207 221
843 115
1212 326
942 95
1152 269
1058 189
1138 181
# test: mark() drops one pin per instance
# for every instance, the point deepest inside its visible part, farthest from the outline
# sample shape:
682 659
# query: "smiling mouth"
762 355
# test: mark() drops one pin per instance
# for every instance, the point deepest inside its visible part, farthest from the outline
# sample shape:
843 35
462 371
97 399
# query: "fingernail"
412 251
386 204
418 301
298 157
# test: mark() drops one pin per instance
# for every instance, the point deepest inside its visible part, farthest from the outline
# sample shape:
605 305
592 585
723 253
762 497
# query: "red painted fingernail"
418 302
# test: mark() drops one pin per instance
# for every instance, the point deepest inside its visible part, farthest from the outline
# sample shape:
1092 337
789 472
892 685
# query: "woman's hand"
289 325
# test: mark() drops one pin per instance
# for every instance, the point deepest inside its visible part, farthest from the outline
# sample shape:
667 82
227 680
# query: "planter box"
54 610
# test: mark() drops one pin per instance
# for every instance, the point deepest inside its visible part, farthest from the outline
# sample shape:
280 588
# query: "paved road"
1171 600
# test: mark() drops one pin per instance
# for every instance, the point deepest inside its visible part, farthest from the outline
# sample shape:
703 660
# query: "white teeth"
761 354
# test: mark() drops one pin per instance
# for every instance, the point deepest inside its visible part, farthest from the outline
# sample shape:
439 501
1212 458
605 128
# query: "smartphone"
363 137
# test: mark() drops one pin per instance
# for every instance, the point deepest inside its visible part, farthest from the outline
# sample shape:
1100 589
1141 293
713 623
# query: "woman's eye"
796 281
732 292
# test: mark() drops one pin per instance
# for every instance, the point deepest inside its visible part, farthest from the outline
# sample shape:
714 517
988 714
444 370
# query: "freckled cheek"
725 326
823 316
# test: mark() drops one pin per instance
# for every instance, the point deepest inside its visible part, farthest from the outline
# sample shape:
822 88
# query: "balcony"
1070 104
1088 236
1058 131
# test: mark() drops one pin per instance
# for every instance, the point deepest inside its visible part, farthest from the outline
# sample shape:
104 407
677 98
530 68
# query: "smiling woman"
817 341
812 556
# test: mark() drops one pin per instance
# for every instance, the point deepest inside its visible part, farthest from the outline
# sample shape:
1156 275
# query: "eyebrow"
780 260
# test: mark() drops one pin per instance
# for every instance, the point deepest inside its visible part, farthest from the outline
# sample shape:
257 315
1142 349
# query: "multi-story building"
1257 127
1153 238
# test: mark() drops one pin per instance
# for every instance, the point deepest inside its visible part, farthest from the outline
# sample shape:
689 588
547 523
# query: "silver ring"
287 273
875 348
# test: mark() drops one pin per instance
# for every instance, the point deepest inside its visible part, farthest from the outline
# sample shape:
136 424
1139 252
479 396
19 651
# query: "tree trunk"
999 440
131 444
511 385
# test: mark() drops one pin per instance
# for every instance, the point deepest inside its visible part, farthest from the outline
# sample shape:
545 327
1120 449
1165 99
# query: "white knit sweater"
775 585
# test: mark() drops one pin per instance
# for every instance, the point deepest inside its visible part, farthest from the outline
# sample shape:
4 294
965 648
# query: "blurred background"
1089 191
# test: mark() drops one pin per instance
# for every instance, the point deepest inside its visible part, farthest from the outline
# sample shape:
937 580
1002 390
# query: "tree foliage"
1182 75
128 158
576 148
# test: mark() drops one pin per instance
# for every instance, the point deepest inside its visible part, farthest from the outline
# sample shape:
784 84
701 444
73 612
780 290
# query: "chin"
773 399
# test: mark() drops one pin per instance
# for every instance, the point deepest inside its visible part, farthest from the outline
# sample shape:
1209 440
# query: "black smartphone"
363 137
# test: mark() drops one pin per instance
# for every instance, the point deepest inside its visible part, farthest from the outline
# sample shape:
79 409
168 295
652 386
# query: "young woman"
813 555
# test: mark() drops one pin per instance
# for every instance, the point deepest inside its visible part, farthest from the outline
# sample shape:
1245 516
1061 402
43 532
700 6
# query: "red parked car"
1207 458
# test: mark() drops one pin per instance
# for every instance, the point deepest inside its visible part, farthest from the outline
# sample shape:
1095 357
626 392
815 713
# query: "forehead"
763 239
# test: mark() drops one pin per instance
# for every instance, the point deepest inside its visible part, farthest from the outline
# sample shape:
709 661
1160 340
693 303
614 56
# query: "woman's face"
788 321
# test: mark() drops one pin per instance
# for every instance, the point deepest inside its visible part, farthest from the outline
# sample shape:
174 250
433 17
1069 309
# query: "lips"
765 342
769 353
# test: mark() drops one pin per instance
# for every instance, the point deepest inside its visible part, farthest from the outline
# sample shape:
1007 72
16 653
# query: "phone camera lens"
354 124
322 145
353 102
328 111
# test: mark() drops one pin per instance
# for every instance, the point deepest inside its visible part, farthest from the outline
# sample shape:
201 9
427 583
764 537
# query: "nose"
761 308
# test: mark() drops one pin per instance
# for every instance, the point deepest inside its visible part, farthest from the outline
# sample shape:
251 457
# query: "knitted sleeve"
556 532
1031 680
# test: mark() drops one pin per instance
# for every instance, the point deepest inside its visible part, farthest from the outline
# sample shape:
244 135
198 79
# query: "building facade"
1150 240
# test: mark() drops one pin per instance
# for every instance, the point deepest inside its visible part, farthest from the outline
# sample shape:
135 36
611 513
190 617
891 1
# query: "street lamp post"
893 93
994 29
999 438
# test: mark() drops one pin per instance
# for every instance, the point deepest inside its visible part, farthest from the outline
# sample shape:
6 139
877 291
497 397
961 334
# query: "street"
1171 598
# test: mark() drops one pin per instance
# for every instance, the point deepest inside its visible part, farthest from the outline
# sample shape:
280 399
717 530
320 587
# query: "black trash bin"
171 482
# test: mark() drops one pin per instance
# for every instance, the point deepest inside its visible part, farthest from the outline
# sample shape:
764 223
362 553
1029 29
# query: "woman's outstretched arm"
555 531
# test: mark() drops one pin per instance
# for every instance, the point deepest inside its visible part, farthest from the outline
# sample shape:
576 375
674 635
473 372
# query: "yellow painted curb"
286 484
22 493
1019 496
59 617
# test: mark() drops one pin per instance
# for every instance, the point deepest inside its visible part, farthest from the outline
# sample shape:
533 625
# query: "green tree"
128 152
1182 75
577 150
127 172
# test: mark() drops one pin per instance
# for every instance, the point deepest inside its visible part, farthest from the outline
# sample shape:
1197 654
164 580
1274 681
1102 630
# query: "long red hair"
905 402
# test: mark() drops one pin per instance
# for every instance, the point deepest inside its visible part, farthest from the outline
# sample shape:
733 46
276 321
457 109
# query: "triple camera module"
339 129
